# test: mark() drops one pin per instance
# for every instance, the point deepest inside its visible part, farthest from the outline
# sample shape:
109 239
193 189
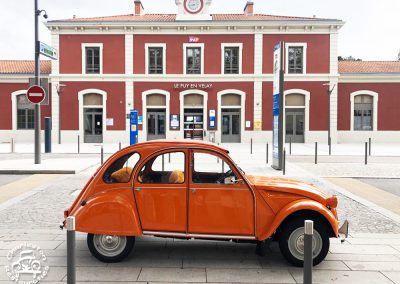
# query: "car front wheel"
291 242
109 248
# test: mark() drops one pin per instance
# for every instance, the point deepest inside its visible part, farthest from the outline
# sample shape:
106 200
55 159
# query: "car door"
160 191
219 204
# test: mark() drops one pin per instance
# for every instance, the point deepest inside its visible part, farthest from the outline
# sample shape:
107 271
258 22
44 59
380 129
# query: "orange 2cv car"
187 189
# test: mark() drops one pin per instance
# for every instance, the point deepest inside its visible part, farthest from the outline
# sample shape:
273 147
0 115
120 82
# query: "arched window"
25 113
363 112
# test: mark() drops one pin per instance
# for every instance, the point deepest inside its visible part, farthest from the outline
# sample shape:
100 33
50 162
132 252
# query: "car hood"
291 186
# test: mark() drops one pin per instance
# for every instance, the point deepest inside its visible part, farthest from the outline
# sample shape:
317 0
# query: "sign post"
277 110
134 123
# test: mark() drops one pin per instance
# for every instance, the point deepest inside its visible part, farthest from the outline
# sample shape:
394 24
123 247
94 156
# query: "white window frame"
295 44
84 46
223 46
185 46
375 97
164 48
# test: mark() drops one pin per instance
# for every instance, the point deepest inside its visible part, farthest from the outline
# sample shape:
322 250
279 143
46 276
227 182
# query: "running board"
198 236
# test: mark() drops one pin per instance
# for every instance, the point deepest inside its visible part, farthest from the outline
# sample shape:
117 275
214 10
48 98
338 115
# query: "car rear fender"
301 205
109 212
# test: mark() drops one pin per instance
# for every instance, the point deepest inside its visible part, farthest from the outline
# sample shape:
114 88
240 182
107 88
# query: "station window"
231 60
92 60
155 60
25 113
296 58
363 110
193 60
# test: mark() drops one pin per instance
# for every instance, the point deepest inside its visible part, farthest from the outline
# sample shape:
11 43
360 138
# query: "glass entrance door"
295 125
230 126
93 120
156 124
194 124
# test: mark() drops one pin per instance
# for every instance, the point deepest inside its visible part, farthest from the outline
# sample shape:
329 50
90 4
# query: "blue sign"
212 118
276 107
134 127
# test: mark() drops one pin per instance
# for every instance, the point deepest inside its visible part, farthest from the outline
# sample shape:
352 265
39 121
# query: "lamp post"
60 88
37 77
329 93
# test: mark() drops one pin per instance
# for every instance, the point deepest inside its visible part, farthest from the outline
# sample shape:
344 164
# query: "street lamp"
60 89
329 93
37 75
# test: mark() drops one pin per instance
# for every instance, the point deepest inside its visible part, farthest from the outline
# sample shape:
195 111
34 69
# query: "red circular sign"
36 94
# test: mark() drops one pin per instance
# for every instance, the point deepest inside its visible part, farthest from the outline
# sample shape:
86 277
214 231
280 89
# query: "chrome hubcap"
109 245
296 243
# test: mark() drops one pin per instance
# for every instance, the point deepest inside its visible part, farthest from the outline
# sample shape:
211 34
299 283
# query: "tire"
107 248
291 241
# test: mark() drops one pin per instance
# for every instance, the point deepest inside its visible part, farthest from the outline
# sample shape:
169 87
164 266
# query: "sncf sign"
194 39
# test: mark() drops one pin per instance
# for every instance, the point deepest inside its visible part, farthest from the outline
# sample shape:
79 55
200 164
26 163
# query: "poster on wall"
174 122
212 118
277 108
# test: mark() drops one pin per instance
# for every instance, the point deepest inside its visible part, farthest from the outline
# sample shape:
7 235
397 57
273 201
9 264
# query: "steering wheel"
222 178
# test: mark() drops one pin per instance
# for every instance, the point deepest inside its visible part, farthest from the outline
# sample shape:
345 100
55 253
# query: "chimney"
248 9
139 10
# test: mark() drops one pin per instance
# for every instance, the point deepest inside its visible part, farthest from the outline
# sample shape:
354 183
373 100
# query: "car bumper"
344 231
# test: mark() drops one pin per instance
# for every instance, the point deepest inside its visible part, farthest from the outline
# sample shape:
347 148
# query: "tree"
348 58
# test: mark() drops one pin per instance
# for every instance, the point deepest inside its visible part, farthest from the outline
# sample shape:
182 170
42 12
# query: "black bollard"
284 162
47 134
12 145
71 267
120 146
308 251
267 152
102 155
79 146
316 152
290 145
366 153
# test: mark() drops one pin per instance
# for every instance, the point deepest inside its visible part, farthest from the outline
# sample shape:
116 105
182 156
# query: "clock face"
193 6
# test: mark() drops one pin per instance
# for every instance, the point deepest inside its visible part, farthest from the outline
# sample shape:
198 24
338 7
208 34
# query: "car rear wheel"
109 248
291 242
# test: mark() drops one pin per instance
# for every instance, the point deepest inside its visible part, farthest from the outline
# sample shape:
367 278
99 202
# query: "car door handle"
193 190
138 189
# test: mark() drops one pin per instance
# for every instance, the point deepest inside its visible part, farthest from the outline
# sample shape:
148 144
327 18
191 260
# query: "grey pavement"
389 185
370 255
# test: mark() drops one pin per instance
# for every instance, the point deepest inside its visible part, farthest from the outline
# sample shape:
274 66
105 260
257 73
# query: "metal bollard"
284 162
71 268
162 158
370 142
366 153
102 155
316 152
330 146
251 146
120 146
169 157
290 145
12 145
267 152
223 166
79 147
308 251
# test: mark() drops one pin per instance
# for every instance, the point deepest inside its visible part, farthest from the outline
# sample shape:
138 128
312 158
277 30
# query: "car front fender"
109 212
301 205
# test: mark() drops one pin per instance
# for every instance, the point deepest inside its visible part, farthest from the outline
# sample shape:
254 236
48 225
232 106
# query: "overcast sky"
371 32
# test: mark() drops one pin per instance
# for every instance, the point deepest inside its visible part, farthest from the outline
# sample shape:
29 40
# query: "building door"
230 126
156 124
295 125
194 124
93 118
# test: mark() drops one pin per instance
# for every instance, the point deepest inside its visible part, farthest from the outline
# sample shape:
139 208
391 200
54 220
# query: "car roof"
164 143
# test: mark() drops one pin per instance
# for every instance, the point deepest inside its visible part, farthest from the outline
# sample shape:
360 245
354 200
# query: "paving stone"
397 248
363 249
42 244
61 261
138 261
173 275
374 241
394 276
374 265
79 245
375 236
343 277
249 275
362 257
98 274
221 263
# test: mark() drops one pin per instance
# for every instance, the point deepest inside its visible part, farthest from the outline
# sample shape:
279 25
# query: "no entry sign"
35 94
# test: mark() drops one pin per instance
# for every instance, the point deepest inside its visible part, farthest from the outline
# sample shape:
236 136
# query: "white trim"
296 44
374 107
164 48
129 58
306 107
14 96
182 109
104 106
225 45
145 107
242 112
83 47
185 46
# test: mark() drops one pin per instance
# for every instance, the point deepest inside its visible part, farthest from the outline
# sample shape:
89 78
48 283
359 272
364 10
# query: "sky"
371 32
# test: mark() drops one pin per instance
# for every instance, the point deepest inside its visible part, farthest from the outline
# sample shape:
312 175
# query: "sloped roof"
369 67
172 18
23 67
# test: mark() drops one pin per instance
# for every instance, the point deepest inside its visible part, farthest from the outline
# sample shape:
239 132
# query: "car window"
168 168
211 169
121 170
